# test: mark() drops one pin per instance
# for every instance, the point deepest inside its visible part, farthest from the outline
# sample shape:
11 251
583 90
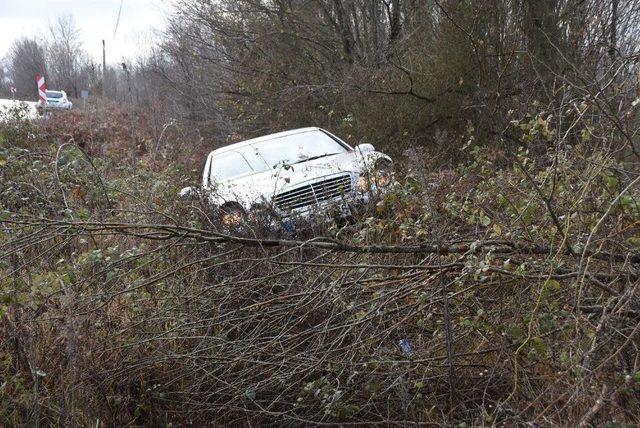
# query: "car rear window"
51 94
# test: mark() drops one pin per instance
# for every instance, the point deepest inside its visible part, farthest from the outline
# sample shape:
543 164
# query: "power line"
118 20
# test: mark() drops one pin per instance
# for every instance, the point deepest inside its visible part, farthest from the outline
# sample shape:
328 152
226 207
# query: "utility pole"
104 70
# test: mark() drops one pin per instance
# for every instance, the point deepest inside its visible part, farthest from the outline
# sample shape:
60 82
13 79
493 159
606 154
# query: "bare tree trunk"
345 34
614 30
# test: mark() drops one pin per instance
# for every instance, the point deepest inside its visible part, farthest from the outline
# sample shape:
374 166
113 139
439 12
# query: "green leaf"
250 393
611 181
634 240
527 215
538 347
550 286
515 333
497 229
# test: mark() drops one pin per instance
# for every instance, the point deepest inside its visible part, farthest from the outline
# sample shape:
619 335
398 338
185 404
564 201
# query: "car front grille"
314 193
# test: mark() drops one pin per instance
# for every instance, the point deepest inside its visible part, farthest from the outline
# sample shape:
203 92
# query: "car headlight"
380 176
232 216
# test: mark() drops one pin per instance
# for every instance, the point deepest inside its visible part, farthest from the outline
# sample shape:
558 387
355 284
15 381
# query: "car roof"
264 138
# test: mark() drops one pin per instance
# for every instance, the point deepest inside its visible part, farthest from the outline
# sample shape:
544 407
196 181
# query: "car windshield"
297 148
267 155
51 94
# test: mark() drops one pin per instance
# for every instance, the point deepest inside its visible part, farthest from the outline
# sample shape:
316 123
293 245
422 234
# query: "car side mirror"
365 148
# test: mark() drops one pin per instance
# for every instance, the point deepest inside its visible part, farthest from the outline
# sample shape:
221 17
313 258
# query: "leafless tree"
27 60
5 82
65 56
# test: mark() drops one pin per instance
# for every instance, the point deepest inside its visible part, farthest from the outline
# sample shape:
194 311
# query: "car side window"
228 165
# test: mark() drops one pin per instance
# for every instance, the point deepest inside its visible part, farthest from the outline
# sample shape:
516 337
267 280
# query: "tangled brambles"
500 291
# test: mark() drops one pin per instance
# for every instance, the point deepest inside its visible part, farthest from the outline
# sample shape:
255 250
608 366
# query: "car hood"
261 187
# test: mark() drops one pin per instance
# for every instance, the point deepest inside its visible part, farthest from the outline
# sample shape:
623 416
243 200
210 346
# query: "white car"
57 100
294 174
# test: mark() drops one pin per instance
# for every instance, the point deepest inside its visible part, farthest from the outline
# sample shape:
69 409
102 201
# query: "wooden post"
104 70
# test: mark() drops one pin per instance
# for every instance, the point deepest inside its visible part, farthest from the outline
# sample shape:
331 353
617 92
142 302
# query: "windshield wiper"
316 157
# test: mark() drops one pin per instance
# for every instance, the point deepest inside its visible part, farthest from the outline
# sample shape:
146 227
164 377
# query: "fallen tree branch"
167 231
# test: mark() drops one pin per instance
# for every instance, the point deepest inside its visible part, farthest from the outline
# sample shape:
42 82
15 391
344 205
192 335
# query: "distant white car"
57 100
294 174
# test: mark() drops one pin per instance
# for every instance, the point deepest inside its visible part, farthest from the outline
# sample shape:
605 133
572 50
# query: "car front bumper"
50 106
344 207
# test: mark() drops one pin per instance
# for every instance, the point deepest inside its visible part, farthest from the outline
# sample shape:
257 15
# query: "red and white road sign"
42 87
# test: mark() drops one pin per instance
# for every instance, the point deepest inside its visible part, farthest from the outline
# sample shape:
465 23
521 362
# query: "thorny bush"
503 290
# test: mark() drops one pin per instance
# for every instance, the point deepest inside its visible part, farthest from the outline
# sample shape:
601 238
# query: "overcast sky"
96 20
